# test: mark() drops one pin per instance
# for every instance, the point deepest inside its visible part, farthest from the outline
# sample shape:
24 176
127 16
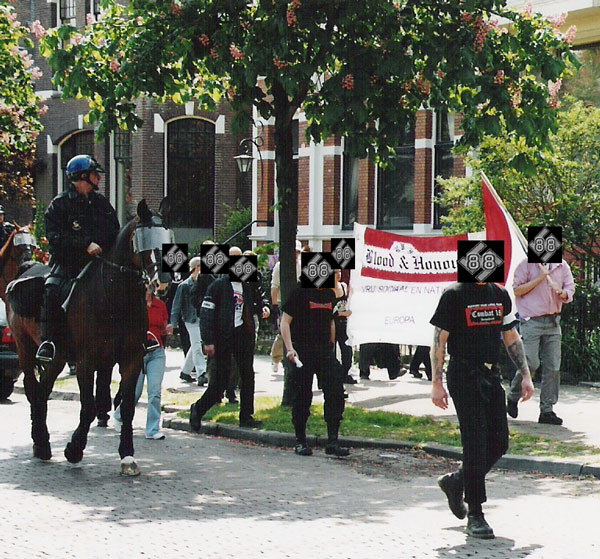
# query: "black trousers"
340 338
421 356
480 405
322 362
386 355
241 348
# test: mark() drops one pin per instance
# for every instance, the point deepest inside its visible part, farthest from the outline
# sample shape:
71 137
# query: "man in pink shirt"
540 291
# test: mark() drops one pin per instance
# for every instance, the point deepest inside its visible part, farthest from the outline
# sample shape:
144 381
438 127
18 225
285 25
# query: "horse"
17 250
106 323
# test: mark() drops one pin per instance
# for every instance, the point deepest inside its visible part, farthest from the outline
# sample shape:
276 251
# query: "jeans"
153 370
194 357
541 339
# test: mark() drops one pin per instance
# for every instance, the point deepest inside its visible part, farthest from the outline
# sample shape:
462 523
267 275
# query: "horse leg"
38 405
85 379
129 378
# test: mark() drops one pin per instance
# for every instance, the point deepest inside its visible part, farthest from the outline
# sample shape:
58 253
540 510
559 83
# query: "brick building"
180 151
334 190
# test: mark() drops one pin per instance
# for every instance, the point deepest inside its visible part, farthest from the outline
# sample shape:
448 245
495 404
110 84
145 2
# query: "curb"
275 438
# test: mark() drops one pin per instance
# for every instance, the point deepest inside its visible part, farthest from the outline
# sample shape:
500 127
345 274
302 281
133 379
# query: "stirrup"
40 352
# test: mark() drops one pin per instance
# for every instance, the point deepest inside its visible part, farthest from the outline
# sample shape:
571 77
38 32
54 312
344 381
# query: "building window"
81 143
67 10
92 7
122 145
191 172
396 186
349 192
443 161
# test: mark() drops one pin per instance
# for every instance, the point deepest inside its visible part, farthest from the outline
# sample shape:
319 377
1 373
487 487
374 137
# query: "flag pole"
498 200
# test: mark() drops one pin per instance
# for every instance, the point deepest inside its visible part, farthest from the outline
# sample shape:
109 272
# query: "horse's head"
149 235
24 243
19 246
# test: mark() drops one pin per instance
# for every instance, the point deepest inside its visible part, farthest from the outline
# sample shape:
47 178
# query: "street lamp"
244 160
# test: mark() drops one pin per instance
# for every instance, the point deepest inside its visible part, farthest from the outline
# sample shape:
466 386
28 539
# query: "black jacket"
217 314
74 221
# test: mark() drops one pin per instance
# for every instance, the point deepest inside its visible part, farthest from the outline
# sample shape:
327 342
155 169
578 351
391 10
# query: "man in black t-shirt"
471 318
308 332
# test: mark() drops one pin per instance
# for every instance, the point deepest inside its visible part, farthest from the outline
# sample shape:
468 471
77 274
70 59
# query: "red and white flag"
500 226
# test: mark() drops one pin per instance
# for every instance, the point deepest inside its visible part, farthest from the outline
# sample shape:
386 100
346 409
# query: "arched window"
191 172
79 143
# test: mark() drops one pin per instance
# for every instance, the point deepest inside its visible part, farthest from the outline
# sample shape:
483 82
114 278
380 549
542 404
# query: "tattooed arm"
439 396
516 351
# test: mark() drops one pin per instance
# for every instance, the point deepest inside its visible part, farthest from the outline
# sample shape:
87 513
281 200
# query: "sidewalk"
578 406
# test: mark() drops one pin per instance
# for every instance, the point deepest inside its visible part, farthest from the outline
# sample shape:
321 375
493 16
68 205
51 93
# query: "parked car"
9 361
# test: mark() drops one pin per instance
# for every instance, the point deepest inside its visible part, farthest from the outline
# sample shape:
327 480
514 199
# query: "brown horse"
106 323
17 250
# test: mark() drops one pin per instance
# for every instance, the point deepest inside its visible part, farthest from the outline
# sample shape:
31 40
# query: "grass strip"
388 425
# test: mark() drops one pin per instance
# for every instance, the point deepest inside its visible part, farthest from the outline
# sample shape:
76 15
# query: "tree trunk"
287 197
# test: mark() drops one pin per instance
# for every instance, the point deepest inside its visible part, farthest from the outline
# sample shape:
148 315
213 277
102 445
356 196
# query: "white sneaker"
274 366
156 437
117 424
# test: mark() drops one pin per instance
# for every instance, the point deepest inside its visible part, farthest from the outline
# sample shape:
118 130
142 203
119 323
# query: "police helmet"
81 164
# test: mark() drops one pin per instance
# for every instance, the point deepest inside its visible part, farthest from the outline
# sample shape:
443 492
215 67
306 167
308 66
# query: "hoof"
129 467
42 452
72 455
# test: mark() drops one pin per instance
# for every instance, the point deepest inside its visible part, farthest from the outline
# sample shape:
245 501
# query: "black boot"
333 444
478 527
453 486
50 324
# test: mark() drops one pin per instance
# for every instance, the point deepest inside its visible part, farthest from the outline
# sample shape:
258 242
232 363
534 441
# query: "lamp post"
244 160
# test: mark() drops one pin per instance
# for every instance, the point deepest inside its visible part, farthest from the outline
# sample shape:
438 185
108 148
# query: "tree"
19 111
564 191
356 68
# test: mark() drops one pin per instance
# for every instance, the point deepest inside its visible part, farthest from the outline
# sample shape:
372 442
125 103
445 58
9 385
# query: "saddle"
25 293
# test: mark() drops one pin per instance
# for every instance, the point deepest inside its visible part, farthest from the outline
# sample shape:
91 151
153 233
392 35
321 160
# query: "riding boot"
50 325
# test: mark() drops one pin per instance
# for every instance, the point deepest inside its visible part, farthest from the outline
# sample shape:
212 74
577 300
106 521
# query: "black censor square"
243 268
480 261
214 259
343 252
544 244
317 269
174 258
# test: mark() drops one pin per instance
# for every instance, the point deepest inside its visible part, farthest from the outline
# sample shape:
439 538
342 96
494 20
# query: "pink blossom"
466 17
175 9
499 77
90 19
204 40
36 73
557 20
348 82
43 109
236 53
295 4
114 65
102 42
290 16
554 88
527 9
5 138
77 39
516 99
37 30
214 54
278 63
569 36
11 16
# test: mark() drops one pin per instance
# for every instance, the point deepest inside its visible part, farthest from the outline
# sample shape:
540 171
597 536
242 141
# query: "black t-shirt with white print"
474 315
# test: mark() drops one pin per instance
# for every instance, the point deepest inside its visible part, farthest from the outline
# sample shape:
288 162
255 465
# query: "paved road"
214 498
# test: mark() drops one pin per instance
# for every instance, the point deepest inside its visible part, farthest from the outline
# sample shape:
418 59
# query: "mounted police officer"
5 228
80 224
